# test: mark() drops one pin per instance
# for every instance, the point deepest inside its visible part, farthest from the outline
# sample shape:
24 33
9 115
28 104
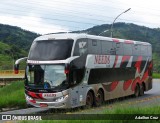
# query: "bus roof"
76 36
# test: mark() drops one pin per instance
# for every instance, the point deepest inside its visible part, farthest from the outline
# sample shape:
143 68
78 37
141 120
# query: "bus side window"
136 49
118 47
144 50
149 50
81 47
107 48
127 49
94 46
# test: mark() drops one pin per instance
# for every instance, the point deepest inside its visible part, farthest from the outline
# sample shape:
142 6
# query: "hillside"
14 44
129 31
132 32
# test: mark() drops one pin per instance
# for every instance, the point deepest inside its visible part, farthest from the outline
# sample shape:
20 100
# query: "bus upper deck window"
80 47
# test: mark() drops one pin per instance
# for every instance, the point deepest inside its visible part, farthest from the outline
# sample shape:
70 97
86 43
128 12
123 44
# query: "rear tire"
89 100
137 91
99 99
141 90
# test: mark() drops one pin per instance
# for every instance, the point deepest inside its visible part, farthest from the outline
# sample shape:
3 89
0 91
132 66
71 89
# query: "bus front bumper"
59 103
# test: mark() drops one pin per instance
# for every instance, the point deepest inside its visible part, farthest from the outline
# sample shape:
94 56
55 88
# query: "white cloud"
60 15
32 23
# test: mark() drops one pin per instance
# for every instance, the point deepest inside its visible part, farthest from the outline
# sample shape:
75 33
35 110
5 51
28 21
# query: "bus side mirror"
16 68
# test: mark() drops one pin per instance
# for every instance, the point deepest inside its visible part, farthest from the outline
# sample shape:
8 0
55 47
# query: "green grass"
156 75
133 110
12 95
116 110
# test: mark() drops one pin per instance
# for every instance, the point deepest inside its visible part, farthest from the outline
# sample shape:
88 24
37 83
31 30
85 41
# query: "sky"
50 16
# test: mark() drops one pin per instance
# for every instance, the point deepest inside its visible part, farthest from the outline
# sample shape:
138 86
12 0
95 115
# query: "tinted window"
144 50
149 50
94 46
102 75
81 47
119 48
107 47
127 49
136 50
51 50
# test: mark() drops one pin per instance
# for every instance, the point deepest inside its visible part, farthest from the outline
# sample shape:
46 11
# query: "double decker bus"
72 70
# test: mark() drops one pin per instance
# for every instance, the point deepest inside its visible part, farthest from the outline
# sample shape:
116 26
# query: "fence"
8 76
11 73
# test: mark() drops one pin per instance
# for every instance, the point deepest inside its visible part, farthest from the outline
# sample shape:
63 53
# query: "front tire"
137 91
89 100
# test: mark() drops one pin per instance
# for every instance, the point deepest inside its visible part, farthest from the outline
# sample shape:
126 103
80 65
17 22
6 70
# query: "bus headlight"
28 97
60 99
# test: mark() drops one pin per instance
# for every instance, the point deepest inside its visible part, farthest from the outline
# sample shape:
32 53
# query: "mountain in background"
15 42
131 32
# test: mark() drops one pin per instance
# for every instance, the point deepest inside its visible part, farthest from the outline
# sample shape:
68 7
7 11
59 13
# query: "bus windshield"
46 76
45 50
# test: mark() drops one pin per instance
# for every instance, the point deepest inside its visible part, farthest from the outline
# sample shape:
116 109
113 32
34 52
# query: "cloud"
67 15
32 23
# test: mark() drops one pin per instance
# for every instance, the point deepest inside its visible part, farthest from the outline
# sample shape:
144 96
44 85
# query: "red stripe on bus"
127 84
138 64
151 65
115 40
32 101
145 76
137 80
125 58
128 42
40 95
32 94
113 85
115 62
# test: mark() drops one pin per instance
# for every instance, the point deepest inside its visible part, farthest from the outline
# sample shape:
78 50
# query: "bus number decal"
102 59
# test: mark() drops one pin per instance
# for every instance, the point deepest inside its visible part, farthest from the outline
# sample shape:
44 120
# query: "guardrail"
8 76
11 73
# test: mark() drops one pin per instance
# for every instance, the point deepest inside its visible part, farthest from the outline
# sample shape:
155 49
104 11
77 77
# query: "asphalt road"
151 98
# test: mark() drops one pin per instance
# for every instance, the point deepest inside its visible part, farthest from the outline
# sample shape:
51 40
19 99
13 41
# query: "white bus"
72 70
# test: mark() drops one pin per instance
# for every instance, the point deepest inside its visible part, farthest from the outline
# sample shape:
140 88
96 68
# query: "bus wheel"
141 90
99 99
89 100
137 90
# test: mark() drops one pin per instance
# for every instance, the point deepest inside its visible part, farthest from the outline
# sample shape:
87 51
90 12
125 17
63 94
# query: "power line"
57 13
64 20
81 6
46 18
100 16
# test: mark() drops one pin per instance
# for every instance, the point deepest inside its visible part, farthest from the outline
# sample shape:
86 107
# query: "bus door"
74 90
74 96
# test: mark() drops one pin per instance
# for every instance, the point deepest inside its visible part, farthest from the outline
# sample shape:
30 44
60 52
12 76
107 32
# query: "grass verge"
116 112
12 95
156 75
133 110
